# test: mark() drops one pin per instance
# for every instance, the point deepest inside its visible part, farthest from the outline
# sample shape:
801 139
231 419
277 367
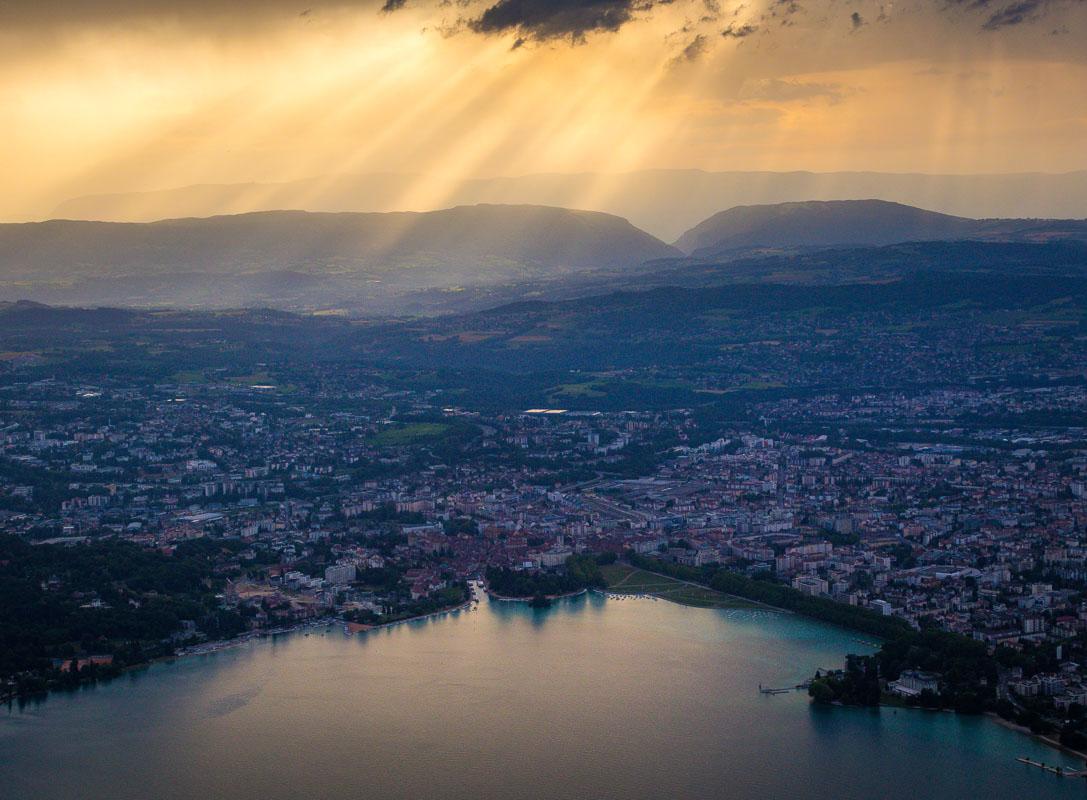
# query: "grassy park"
625 579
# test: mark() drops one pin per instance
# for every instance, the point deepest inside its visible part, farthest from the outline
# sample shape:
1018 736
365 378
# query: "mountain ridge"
546 236
238 259
664 202
869 222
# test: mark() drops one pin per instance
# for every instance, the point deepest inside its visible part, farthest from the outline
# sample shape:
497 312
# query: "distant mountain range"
298 258
663 202
475 257
856 222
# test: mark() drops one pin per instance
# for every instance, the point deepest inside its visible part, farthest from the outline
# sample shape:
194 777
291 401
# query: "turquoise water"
593 698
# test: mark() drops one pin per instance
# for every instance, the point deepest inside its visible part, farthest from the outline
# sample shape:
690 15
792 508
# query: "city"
381 507
543 399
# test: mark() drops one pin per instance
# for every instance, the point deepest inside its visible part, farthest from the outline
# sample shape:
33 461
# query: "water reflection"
591 697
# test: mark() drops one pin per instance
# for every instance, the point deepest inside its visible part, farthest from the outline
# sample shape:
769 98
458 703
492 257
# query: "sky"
118 95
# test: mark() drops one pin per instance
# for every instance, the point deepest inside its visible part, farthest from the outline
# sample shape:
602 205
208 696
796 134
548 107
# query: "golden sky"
118 95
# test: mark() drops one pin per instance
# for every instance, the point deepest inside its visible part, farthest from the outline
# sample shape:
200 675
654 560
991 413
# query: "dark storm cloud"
1011 14
1014 14
557 19
739 31
784 8
693 51
526 20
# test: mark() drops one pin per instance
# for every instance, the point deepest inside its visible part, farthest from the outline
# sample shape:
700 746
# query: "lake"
593 698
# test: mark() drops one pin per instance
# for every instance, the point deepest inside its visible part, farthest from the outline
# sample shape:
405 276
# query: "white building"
912 682
340 574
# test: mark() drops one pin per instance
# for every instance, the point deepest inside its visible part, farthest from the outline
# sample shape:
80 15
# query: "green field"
586 389
624 579
411 434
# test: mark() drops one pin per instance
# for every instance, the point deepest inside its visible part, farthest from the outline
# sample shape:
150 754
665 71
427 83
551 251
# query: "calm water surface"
594 698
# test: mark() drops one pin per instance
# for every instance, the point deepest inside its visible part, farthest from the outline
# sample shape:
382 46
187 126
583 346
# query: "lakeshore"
640 584
478 591
1047 740
639 581
323 622
508 684
220 645
530 599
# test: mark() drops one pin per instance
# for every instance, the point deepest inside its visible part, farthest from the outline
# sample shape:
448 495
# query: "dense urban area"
557 399
148 516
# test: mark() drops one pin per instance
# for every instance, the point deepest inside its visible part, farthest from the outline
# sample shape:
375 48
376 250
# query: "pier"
1059 771
785 689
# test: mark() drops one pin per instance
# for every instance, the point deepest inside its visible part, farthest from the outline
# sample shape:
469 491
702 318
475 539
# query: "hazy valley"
475 257
662 201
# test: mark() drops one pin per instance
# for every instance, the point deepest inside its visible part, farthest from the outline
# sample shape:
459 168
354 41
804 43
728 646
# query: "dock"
1059 771
785 689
